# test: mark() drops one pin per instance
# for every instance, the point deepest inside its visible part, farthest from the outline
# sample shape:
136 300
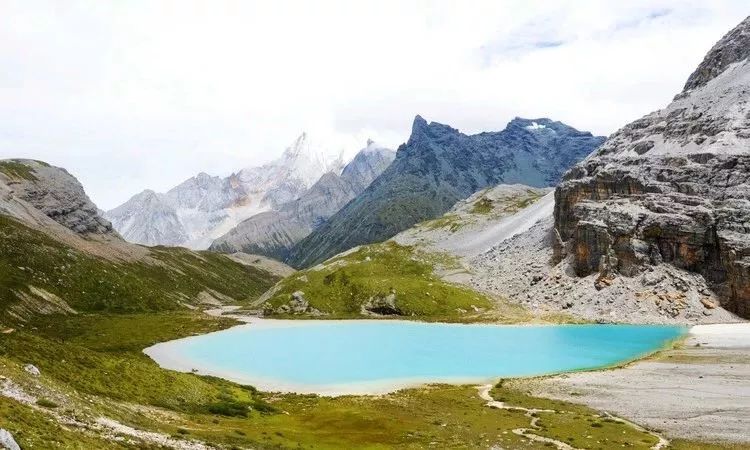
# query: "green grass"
17 170
171 277
102 355
346 282
450 221
43 402
34 429
483 206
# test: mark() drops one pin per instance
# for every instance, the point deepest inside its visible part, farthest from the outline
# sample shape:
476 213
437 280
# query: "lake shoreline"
697 390
165 356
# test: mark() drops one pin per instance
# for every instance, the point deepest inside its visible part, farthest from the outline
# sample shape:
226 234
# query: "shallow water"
377 356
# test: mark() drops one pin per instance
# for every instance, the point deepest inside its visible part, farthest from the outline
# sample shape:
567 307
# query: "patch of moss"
483 206
34 429
102 355
452 222
45 403
17 170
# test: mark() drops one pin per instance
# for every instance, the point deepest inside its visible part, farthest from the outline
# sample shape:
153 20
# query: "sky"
130 95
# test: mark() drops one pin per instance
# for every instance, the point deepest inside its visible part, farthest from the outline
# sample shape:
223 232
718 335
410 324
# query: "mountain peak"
732 48
419 125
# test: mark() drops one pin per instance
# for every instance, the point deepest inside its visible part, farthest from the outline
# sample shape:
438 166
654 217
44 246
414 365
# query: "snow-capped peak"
535 126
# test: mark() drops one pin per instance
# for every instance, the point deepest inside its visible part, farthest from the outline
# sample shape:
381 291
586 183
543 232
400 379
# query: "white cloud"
137 94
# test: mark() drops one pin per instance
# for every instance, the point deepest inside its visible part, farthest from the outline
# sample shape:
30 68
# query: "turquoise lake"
378 356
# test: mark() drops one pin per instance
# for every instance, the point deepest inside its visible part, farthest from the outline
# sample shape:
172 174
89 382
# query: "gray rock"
32 369
733 47
683 202
54 192
7 441
382 305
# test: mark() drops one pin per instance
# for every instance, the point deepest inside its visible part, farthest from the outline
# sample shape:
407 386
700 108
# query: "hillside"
60 256
439 166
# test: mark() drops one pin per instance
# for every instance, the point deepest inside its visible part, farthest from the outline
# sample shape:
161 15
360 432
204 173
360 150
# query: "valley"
531 288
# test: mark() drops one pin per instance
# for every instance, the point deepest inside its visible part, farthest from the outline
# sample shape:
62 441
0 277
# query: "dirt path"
532 414
484 394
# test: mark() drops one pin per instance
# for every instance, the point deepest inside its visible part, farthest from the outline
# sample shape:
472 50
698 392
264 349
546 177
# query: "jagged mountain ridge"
205 207
439 166
274 233
672 187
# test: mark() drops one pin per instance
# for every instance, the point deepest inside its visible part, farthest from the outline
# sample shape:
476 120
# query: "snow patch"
535 126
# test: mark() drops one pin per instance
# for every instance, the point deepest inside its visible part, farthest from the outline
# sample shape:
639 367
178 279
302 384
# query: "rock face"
52 191
672 187
7 441
439 166
205 207
274 233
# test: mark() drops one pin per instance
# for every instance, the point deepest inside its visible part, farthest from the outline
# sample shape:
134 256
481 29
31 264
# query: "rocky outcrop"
297 305
51 191
439 166
274 233
733 47
673 187
381 305
7 441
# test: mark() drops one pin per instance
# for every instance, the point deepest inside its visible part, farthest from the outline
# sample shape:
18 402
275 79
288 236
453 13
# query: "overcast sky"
129 95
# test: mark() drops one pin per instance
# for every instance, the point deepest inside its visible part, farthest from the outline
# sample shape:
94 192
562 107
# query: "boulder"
7 441
32 369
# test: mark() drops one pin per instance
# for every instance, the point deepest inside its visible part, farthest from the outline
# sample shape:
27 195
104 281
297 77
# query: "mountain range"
205 207
274 233
439 166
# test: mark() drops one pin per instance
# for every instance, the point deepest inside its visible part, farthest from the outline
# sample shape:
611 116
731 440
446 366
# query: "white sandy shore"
166 356
699 390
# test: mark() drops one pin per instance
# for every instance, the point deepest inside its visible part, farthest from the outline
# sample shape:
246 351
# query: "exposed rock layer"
672 187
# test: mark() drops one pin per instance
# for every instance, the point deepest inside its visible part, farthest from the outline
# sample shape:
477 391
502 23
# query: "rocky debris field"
520 270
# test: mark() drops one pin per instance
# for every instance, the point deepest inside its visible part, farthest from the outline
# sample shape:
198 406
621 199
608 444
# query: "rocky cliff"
439 166
274 233
672 187
29 187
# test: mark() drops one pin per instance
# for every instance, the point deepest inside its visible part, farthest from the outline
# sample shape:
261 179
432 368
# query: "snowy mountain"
204 207
274 233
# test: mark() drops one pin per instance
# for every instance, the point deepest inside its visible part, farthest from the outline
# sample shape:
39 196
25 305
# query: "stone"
382 305
7 441
708 303
32 369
